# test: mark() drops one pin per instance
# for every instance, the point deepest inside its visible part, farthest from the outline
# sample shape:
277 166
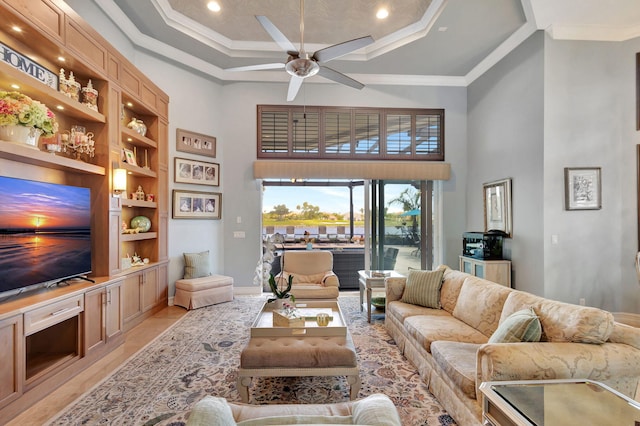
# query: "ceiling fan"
300 65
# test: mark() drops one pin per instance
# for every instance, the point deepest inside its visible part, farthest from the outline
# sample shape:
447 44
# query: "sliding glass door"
401 225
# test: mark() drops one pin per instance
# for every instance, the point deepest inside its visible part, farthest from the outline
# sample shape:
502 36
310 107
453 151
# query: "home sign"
27 66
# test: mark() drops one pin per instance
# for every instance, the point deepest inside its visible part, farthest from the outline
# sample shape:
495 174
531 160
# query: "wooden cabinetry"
498 271
103 320
40 347
12 355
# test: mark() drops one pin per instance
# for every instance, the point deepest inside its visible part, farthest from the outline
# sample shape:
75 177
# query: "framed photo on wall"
196 205
497 206
198 172
195 143
582 188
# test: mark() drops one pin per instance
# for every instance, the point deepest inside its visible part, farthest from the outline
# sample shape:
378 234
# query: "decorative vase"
20 134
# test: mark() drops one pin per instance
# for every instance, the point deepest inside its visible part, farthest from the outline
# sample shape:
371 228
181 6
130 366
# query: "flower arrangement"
21 110
280 287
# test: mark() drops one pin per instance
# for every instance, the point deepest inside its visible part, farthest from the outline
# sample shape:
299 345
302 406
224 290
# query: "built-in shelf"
25 154
138 171
48 96
139 203
139 237
137 139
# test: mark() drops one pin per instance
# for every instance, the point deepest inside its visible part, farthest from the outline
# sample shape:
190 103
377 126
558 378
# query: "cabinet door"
131 297
94 321
12 356
114 317
478 270
466 266
149 289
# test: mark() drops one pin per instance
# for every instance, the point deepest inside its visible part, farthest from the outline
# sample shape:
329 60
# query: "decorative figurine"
90 96
140 194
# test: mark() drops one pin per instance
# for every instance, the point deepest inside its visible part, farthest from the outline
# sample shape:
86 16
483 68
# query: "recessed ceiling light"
213 6
129 104
15 86
16 29
60 107
61 58
382 13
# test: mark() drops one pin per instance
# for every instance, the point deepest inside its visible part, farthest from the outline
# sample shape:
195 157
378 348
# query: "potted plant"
281 286
23 119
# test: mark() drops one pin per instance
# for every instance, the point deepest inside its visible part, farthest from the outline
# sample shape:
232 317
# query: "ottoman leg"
354 381
243 388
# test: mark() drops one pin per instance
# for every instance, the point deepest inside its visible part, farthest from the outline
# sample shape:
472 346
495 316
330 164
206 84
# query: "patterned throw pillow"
520 326
196 265
423 288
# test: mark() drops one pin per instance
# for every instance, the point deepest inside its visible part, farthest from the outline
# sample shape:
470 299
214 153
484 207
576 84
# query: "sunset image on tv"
45 232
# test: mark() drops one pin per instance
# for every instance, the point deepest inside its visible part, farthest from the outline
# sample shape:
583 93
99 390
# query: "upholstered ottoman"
298 356
195 293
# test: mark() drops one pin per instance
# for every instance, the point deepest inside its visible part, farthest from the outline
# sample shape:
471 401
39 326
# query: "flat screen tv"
45 233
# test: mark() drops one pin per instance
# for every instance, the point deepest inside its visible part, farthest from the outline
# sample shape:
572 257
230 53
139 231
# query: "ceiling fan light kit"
299 65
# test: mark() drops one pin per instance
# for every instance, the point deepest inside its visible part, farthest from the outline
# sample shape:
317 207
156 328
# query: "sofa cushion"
451 286
402 311
423 288
376 409
564 322
211 410
480 304
196 265
426 329
520 326
458 361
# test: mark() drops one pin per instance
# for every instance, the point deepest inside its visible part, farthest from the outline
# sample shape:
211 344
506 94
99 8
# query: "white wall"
506 141
589 121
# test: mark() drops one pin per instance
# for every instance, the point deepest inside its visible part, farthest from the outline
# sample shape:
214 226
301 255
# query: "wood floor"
135 339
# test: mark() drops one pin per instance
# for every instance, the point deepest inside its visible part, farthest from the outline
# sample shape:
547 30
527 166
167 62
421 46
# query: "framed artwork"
196 205
582 188
195 143
198 172
497 206
638 91
129 157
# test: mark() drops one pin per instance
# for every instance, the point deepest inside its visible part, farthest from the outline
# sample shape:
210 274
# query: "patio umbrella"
414 212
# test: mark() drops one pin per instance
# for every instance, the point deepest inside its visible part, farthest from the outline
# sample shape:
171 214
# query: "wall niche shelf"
24 154
138 171
137 139
139 203
139 237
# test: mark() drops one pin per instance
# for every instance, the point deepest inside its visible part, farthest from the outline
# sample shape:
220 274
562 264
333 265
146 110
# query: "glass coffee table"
556 403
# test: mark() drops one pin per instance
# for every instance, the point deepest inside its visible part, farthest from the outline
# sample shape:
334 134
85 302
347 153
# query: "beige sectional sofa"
450 348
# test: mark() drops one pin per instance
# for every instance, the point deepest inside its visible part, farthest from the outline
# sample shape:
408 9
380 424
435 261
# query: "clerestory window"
321 132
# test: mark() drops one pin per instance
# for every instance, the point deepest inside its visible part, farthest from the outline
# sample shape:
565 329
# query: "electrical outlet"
582 301
238 234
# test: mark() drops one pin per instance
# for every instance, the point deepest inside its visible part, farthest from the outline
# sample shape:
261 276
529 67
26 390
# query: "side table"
566 402
370 281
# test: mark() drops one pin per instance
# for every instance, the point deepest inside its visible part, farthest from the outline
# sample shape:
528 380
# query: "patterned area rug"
200 354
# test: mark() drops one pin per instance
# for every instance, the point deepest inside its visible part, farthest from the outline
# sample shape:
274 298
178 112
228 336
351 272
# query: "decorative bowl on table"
378 302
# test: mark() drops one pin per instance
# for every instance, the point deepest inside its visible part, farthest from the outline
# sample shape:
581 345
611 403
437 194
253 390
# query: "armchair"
312 272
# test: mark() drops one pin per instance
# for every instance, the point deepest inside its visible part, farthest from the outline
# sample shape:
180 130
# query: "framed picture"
129 157
497 206
582 188
195 143
198 172
196 205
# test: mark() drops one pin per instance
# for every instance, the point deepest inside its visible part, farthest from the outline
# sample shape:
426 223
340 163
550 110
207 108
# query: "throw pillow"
196 265
211 411
423 288
520 326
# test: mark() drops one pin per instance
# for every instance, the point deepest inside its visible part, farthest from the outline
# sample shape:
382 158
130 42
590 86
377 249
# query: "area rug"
199 356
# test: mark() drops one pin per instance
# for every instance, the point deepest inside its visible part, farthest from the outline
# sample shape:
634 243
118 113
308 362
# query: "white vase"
22 135
277 304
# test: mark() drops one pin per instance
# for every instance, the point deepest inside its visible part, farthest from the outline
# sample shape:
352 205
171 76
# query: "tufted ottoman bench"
298 356
195 293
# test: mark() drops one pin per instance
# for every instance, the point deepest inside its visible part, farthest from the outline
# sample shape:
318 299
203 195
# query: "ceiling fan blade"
294 86
338 77
275 34
274 66
341 49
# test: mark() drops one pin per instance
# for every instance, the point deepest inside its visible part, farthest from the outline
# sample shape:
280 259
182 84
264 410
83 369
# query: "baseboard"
627 318
247 291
